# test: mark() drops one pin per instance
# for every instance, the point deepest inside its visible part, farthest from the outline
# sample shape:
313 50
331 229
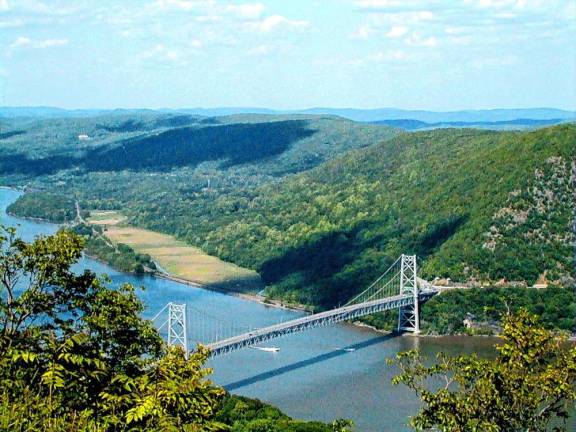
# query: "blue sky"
286 54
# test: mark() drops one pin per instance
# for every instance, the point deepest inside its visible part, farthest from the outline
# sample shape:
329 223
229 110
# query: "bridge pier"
409 315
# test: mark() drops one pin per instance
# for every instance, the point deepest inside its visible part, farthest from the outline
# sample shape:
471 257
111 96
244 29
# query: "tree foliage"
75 355
529 386
445 313
119 255
52 207
476 206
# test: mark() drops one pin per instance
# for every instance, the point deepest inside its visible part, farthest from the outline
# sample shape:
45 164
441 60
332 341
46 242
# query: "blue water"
312 376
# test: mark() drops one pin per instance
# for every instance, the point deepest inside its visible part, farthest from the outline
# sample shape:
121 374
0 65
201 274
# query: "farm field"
179 260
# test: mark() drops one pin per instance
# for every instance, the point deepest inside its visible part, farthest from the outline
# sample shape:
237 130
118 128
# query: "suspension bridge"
399 287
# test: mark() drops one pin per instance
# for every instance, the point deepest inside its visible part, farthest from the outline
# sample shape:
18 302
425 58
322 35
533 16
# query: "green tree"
530 385
76 355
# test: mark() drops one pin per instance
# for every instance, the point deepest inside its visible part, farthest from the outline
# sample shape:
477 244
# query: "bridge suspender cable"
397 288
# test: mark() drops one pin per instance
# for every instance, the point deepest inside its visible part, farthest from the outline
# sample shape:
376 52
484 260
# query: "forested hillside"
52 207
475 206
247 146
282 196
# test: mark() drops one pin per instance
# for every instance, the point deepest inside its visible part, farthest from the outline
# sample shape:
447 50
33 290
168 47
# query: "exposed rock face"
541 213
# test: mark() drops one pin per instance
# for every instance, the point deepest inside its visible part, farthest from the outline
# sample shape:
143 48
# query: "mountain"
250 145
515 124
475 206
361 115
370 115
54 112
319 205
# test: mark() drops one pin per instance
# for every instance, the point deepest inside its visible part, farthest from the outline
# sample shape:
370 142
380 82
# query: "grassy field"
106 217
177 258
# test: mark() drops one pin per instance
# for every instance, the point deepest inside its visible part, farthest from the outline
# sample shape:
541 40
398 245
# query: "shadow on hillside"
188 146
308 362
332 267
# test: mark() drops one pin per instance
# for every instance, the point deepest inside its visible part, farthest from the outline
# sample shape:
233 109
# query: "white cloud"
499 4
4 6
390 56
379 5
246 11
261 50
397 31
161 53
487 62
455 30
211 10
196 43
208 18
275 22
24 42
385 56
402 18
416 39
184 5
363 32
10 23
36 7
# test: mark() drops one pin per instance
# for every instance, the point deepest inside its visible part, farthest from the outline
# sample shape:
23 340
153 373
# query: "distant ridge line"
362 115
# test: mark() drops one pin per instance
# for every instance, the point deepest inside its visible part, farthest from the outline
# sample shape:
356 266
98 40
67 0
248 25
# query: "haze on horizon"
418 54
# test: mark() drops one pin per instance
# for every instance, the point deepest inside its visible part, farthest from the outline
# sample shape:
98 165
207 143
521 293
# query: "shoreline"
255 298
36 219
246 296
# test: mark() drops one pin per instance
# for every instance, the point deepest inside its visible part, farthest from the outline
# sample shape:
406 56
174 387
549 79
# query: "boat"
267 349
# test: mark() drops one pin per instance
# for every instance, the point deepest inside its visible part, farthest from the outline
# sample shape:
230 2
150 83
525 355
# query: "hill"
476 206
471 116
254 147
516 124
313 207
362 115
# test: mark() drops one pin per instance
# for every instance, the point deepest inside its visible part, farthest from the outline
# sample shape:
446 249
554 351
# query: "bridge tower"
177 334
409 316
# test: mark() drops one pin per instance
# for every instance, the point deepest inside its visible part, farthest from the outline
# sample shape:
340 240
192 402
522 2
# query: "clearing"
180 260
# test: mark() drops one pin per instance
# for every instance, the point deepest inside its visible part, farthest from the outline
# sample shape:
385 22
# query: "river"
321 374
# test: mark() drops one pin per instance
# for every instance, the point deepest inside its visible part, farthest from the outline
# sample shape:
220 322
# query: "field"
175 257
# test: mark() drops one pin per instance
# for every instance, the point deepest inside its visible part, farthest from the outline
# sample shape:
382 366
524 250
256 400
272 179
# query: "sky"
288 54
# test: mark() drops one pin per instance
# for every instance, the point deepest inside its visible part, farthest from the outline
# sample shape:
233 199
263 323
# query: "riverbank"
256 298
187 265
227 278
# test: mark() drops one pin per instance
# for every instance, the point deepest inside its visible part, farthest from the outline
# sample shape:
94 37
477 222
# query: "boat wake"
267 349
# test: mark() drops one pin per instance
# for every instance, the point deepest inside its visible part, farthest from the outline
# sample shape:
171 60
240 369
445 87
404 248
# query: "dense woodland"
483 308
52 207
319 237
320 206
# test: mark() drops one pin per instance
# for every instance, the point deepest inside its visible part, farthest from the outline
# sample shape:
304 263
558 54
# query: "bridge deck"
323 318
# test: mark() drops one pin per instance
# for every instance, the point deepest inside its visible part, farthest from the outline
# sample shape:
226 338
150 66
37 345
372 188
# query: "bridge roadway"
344 313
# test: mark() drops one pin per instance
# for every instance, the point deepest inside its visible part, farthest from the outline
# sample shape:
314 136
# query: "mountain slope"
255 148
474 205
310 204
